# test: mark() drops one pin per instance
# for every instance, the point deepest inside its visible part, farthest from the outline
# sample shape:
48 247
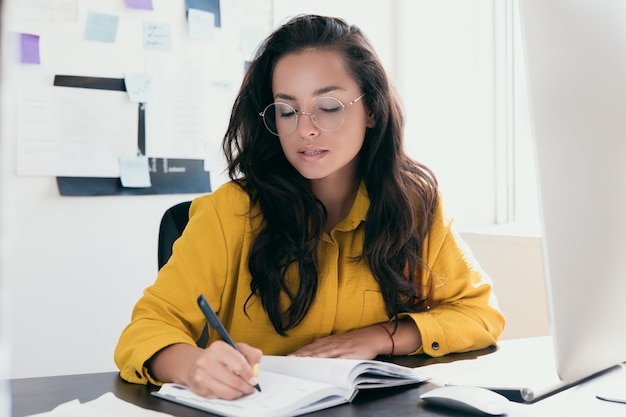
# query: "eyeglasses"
327 113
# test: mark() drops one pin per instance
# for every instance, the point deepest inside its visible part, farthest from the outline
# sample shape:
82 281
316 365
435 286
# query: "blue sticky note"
135 172
157 36
101 27
211 6
140 4
139 87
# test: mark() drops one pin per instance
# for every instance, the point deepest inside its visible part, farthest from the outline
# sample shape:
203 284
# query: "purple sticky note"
26 48
140 4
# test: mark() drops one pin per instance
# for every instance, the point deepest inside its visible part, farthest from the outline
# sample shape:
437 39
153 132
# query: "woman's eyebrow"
325 90
317 93
284 97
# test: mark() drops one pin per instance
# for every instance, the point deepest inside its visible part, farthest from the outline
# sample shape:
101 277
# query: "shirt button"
435 346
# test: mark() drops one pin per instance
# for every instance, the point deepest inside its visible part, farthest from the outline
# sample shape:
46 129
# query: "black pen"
215 322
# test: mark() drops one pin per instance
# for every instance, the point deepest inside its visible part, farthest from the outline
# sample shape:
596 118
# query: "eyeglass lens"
327 113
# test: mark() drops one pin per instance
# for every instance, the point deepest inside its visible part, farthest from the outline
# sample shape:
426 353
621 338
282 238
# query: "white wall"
76 265
73 266
5 362
515 264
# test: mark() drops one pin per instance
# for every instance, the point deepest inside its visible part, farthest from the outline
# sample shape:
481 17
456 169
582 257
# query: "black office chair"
173 223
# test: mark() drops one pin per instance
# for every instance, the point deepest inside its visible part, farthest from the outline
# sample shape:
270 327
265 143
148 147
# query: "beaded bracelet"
393 345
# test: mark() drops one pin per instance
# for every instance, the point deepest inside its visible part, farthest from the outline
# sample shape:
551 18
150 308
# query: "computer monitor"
575 53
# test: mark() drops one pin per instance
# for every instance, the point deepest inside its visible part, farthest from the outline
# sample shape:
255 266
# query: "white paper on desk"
524 365
107 405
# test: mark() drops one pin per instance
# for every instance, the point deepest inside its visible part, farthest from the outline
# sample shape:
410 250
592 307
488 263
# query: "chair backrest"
172 225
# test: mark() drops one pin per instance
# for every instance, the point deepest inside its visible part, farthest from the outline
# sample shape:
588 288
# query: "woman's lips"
312 154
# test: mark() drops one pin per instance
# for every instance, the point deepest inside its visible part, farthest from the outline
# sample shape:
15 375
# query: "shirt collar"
358 212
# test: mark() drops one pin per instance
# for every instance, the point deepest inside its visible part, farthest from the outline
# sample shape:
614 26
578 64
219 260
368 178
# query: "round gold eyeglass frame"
324 113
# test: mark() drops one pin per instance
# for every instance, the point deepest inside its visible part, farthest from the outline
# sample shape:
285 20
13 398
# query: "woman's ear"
371 120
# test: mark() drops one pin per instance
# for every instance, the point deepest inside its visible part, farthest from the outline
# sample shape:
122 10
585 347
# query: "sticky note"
138 87
157 36
211 6
140 4
201 24
101 27
25 48
135 172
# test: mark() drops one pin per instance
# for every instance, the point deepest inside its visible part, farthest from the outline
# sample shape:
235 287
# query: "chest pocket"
373 308
360 309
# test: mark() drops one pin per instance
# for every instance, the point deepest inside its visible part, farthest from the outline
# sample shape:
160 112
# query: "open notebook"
292 386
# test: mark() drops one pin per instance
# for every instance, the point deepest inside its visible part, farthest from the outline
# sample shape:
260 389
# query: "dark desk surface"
37 395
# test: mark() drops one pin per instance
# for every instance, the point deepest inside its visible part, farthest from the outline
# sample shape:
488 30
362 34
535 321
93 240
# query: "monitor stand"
613 388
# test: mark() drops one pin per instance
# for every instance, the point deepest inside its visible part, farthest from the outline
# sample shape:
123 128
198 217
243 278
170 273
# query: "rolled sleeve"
462 311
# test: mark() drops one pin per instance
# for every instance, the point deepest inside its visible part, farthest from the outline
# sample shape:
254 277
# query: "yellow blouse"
211 258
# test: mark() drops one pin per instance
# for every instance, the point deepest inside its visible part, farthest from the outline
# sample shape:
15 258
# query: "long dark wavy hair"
403 192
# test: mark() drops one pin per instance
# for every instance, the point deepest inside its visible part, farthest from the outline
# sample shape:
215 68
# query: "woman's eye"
287 114
333 109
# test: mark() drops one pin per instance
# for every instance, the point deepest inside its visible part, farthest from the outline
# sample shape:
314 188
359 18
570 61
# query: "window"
526 191
463 86
448 88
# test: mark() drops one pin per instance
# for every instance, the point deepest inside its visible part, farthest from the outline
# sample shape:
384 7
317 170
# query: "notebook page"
281 395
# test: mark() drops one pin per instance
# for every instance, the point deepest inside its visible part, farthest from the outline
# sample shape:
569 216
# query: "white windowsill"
515 229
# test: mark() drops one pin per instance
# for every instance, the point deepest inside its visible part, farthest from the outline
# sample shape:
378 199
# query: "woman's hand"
219 371
366 343
222 372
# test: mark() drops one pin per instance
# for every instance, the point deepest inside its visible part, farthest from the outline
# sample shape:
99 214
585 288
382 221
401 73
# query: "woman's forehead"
311 72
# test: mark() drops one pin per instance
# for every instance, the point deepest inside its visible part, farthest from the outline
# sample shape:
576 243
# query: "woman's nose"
306 125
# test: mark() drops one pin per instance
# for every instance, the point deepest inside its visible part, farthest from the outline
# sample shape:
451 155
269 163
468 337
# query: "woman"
329 241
